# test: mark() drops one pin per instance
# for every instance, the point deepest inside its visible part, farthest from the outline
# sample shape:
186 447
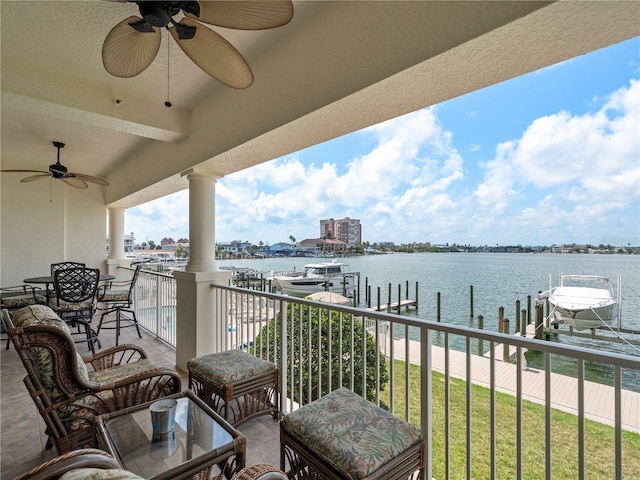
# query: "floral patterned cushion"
99 474
351 434
21 301
94 404
120 371
40 356
38 315
72 306
115 296
91 405
228 367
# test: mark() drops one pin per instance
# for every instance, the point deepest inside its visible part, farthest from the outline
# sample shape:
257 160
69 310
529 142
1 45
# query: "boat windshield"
323 270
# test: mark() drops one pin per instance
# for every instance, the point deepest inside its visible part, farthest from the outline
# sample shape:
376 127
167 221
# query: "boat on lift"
316 277
582 301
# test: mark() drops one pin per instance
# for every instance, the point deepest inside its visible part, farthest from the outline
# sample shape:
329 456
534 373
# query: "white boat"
316 277
580 303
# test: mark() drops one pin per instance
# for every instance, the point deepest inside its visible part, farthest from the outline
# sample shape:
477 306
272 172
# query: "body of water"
498 279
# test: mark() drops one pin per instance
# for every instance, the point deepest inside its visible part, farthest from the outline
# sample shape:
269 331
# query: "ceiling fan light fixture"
185 32
157 14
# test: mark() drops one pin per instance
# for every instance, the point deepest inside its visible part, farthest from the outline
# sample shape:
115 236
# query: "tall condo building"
346 229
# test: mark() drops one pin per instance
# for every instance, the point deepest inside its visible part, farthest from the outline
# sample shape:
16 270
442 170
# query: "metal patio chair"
75 300
117 297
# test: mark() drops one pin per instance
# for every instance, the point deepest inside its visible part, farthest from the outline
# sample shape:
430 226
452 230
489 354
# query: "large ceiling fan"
59 171
133 44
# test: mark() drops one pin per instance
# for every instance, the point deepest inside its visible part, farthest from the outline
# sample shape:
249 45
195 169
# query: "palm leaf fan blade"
245 15
127 52
89 178
33 178
215 55
75 182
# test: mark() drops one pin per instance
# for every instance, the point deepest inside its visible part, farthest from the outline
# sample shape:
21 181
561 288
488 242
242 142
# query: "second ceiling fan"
60 172
133 44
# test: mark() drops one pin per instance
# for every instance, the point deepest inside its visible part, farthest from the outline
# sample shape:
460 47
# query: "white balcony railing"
154 302
455 395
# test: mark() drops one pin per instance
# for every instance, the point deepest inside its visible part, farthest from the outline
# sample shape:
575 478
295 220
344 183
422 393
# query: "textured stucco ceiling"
337 67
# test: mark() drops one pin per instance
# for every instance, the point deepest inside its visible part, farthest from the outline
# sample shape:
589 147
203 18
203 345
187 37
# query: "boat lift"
551 327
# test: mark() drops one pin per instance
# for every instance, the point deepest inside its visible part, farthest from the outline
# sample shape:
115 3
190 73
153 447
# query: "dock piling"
539 319
481 327
471 302
505 346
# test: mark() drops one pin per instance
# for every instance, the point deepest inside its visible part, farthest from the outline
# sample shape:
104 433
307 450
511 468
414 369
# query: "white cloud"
588 164
563 179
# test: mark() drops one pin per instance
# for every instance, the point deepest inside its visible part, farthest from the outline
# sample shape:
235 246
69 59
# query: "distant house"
323 245
234 247
282 248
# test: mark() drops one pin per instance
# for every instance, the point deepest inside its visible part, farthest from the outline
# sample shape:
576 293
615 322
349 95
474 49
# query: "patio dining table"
47 280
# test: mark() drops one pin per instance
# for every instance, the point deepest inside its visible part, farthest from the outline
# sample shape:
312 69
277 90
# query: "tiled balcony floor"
22 429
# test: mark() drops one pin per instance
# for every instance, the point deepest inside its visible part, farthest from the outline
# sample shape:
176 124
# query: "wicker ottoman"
238 386
343 436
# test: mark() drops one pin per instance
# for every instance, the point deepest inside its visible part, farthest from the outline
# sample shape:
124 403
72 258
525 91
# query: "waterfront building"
323 246
349 230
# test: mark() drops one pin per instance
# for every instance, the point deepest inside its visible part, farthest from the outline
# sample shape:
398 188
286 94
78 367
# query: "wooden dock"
513 350
598 399
394 305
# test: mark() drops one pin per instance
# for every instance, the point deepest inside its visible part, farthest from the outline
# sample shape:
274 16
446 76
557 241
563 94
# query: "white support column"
202 222
197 322
116 256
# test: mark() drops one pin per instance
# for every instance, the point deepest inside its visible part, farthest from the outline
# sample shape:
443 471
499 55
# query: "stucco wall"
45 222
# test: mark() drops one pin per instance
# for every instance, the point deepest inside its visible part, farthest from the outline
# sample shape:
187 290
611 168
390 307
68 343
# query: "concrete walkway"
598 399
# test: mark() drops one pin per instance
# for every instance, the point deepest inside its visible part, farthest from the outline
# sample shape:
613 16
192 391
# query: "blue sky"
549 157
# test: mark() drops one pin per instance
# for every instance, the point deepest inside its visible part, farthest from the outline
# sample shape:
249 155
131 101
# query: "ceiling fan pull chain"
168 102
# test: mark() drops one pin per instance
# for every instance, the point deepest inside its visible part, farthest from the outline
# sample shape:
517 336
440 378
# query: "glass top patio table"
200 440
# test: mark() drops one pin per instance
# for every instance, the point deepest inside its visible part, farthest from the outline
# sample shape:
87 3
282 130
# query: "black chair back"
76 285
64 265
134 279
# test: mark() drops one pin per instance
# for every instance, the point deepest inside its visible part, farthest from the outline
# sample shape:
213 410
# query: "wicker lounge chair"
83 458
69 390
78 461
19 296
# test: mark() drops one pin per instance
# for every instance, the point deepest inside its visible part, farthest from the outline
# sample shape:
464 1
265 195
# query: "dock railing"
479 414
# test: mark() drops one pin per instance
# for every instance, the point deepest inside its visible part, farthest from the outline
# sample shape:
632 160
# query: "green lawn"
599 438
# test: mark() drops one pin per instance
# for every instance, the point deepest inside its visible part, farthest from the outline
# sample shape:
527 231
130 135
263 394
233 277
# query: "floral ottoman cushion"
228 367
351 434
